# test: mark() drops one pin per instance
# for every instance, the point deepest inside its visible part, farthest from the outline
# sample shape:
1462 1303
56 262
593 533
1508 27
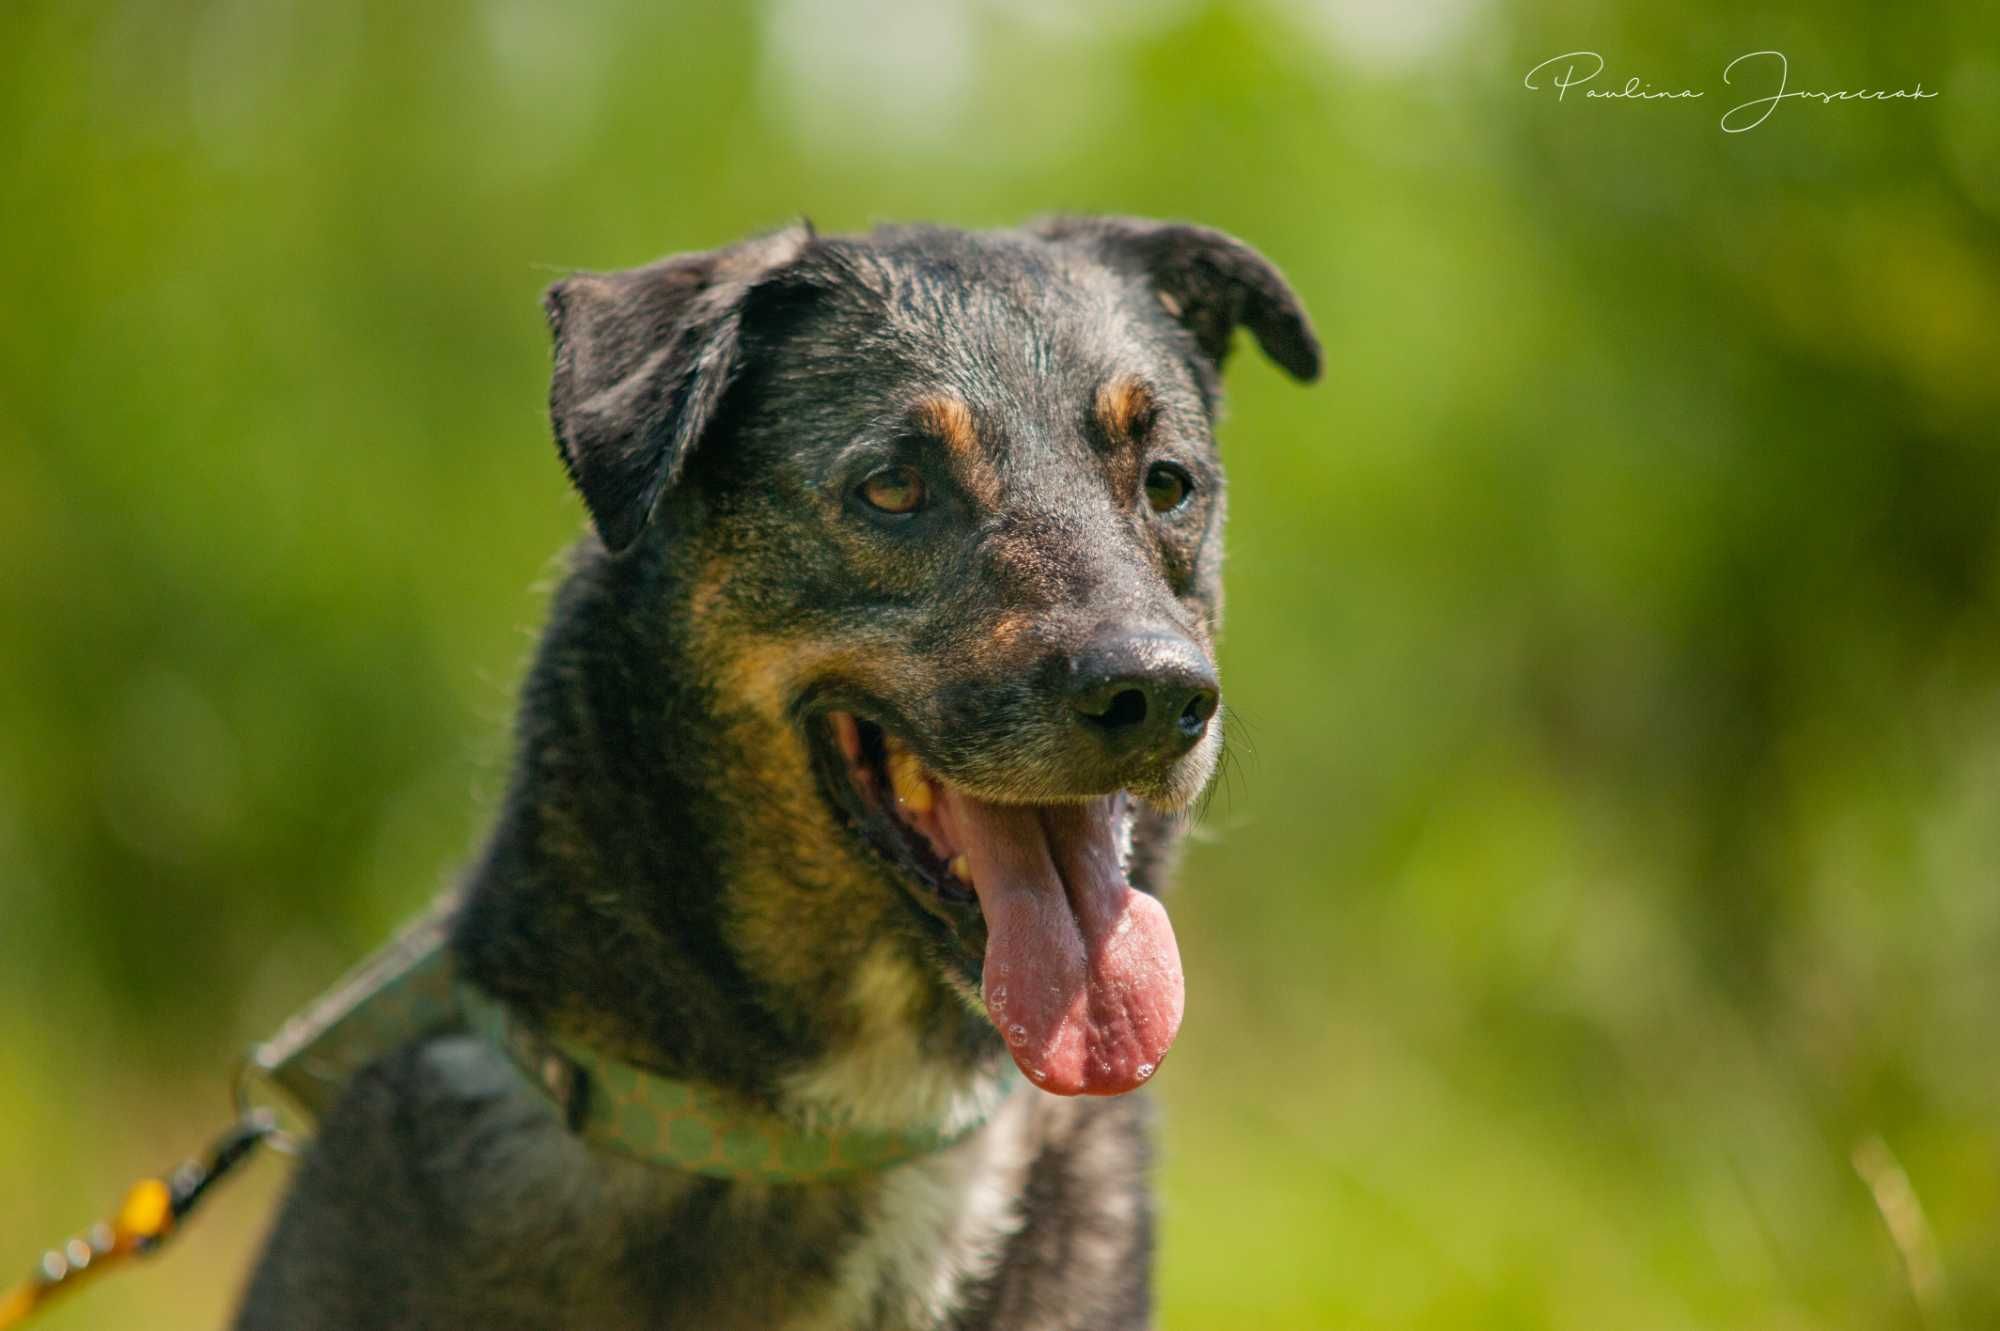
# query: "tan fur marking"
1123 406
949 419
795 874
1012 634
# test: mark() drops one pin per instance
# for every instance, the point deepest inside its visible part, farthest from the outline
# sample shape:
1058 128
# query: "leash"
153 1211
396 994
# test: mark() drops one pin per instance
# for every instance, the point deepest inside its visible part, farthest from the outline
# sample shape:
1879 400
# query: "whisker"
1238 730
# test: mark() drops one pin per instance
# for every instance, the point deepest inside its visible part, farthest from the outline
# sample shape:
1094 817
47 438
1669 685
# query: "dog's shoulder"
441 1175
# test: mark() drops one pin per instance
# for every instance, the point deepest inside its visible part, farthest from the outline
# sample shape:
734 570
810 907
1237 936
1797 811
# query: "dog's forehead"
938 281
1004 321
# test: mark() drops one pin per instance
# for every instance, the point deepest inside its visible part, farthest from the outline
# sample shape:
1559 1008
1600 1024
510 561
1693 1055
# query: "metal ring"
251 1108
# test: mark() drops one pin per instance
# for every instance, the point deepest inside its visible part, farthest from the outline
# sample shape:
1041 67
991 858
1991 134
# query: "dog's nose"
1150 691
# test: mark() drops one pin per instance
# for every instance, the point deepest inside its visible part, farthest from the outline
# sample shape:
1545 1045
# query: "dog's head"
937 519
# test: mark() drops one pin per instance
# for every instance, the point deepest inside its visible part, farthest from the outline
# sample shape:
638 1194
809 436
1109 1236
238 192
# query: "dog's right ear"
1208 281
643 359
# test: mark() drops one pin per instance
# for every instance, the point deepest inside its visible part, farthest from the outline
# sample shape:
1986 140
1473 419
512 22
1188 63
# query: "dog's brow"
946 417
1124 406
950 420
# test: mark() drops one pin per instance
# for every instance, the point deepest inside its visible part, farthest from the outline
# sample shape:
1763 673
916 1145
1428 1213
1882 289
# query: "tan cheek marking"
706 599
949 420
1007 645
763 676
794 873
1010 629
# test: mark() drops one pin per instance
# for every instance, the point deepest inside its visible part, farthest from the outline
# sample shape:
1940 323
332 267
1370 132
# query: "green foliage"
1604 886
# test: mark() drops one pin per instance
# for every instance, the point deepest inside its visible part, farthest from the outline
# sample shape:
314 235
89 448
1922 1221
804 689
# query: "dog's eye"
1167 487
894 490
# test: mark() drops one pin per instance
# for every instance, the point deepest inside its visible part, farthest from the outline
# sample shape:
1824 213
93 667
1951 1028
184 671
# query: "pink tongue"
1083 978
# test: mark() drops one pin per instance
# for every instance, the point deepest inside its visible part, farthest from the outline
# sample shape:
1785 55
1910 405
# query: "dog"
850 764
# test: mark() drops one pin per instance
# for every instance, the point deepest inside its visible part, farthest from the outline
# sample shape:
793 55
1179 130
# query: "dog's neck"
610 903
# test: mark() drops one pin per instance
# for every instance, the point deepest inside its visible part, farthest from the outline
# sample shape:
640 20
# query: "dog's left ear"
1207 280
643 359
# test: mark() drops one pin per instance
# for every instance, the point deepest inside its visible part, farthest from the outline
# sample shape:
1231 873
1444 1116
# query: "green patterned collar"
692 1126
411 988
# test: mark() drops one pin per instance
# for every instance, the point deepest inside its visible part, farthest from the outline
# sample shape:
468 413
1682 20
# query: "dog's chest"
932 1233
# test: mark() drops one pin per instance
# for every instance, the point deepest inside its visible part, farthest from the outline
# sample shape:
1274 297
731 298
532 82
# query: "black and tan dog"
877 691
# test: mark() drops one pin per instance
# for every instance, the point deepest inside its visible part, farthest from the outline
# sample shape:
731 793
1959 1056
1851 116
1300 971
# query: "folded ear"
643 359
1209 281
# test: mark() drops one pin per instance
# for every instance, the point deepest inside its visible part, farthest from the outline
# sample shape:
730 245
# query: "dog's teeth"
961 868
906 775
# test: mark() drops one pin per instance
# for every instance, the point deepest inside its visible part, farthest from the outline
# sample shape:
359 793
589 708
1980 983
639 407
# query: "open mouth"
1079 970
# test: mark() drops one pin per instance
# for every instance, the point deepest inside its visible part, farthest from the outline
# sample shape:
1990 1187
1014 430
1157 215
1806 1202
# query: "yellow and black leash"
153 1210
288 1081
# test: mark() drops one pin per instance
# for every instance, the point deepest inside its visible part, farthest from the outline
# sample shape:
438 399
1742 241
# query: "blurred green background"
1601 928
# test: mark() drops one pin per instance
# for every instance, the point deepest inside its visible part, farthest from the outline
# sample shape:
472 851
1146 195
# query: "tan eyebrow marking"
1124 408
950 420
946 417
